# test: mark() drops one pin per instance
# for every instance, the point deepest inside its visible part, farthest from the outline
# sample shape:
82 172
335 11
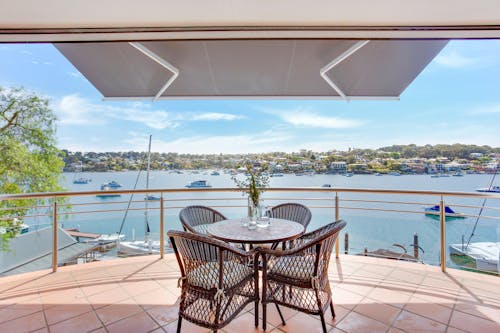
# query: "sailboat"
146 246
81 180
485 255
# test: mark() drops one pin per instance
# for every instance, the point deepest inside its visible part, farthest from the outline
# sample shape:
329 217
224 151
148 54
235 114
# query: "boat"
444 175
142 247
458 174
394 173
435 175
326 185
112 185
105 189
494 189
277 174
152 197
484 254
299 174
199 184
104 239
377 174
81 180
146 246
215 173
348 174
449 213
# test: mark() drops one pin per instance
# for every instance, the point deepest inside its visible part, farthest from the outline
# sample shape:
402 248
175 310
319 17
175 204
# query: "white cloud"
486 109
75 110
231 144
74 74
307 118
152 119
455 60
213 116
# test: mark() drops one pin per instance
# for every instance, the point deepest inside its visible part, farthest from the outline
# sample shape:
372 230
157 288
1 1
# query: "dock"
77 234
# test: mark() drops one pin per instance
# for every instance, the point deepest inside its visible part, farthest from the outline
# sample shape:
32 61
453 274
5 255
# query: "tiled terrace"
141 295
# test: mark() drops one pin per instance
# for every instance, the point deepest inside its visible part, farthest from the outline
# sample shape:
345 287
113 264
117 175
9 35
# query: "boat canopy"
446 209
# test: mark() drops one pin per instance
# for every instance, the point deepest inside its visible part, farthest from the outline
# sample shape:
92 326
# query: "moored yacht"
112 185
199 184
494 189
449 213
105 189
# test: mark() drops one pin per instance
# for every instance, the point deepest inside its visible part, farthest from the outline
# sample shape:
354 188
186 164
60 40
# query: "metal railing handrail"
334 191
235 189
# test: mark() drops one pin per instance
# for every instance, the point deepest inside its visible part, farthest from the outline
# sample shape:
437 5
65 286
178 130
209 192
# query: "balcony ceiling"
63 20
255 68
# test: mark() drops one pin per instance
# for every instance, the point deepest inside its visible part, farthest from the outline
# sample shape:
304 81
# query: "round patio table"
233 232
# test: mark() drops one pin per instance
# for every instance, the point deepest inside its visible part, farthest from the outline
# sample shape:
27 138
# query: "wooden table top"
232 231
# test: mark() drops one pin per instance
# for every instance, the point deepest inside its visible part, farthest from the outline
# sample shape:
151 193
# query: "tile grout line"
93 310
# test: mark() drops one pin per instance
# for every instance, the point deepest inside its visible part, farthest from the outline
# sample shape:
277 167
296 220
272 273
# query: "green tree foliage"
29 159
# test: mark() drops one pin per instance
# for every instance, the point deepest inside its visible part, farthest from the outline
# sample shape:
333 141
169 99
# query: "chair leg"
281 315
256 310
333 310
323 324
179 323
264 313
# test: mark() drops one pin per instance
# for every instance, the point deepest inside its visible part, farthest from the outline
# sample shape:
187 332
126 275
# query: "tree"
29 160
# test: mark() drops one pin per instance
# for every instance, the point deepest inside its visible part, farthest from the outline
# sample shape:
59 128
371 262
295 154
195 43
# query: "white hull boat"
107 239
142 247
485 254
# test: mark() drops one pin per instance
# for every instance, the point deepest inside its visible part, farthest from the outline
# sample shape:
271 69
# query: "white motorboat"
494 189
199 184
485 254
142 247
106 239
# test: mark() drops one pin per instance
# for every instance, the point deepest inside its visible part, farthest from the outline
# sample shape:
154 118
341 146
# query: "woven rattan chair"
298 277
293 212
217 280
196 218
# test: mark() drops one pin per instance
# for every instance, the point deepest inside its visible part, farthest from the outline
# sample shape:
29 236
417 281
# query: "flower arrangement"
253 184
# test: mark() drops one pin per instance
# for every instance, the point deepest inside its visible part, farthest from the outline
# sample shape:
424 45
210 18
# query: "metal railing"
335 205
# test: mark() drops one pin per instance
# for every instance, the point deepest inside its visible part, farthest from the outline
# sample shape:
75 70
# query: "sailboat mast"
146 223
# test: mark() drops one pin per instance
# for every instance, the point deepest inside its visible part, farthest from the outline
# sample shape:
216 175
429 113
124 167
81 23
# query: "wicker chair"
298 277
293 212
196 218
217 280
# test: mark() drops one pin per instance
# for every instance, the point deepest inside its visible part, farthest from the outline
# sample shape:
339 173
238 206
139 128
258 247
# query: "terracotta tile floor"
140 295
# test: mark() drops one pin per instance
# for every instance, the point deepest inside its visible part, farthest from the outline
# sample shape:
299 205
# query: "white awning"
265 68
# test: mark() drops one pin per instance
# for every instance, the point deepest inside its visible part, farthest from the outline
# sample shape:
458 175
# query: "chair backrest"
194 250
193 218
293 212
324 238
319 243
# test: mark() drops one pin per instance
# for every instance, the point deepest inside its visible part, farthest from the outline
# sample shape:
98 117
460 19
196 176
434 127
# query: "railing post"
54 236
336 219
162 228
442 228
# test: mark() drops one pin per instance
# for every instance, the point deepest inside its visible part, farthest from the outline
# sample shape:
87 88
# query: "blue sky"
456 99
